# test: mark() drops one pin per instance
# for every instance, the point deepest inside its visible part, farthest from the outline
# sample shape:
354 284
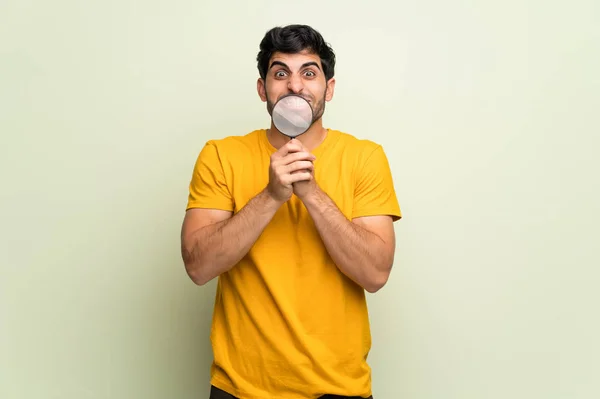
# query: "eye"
280 74
310 74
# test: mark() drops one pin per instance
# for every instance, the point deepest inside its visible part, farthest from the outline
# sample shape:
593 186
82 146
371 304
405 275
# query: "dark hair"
293 39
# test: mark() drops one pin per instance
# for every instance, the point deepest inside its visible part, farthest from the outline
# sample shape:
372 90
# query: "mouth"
296 101
297 95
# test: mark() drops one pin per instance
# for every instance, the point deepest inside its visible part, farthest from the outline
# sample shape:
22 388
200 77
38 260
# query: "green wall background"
488 111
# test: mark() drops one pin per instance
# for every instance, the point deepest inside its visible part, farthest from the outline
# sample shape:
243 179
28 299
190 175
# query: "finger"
284 151
297 156
296 177
299 165
298 142
289 147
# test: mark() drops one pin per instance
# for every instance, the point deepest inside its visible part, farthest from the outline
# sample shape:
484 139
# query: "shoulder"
232 149
237 144
356 146
229 150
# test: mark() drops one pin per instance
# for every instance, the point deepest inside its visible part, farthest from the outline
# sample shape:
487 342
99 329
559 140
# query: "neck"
310 139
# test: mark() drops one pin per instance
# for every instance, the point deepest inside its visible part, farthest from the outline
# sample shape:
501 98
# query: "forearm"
358 253
216 248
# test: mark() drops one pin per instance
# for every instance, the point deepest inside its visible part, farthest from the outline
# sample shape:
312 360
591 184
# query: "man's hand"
290 165
305 188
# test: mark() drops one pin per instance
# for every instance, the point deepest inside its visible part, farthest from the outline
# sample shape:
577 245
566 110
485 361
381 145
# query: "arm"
363 249
212 241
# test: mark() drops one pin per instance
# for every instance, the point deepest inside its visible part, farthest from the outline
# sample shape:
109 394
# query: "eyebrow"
288 68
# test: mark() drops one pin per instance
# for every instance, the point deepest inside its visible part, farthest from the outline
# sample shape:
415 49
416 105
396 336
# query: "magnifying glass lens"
292 115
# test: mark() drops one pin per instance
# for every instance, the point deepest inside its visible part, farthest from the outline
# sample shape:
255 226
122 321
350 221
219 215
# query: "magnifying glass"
292 115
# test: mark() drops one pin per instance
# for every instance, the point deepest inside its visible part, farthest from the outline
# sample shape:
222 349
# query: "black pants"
216 393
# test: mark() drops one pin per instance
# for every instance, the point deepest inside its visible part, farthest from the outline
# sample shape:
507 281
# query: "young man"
296 231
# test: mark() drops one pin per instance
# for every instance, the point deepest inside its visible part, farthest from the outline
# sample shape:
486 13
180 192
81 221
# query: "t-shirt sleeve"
374 193
208 187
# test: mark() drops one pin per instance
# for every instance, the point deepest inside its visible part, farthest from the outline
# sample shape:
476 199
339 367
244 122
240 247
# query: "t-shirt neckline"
329 138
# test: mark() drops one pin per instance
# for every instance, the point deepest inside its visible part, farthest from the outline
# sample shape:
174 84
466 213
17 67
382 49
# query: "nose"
295 84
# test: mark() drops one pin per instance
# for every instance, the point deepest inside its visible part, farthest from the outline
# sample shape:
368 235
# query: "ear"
262 90
330 89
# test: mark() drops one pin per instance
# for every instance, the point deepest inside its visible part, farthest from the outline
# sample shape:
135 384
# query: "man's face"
301 74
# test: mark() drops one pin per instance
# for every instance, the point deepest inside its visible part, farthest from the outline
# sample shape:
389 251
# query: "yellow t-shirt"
287 324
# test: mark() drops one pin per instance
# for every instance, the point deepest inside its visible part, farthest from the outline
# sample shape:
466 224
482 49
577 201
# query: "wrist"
269 201
313 197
